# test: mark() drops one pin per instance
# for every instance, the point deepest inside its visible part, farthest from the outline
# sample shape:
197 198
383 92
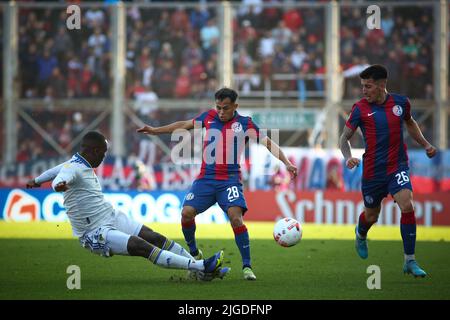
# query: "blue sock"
408 231
243 242
188 229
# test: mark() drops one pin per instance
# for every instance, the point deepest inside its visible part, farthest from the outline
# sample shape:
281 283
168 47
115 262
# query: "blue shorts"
204 193
375 189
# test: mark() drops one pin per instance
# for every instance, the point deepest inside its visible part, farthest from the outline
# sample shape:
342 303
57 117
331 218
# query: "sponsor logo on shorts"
368 199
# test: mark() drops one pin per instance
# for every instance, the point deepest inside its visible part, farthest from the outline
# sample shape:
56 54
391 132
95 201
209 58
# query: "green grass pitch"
33 266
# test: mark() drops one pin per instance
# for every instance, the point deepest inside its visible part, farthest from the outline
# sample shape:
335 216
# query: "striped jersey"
223 144
382 128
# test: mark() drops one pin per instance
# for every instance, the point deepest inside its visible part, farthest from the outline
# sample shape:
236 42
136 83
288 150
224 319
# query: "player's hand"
147 130
62 186
32 184
431 151
292 170
352 162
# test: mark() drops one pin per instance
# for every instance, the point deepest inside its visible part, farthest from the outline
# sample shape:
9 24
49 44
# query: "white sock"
167 259
179 250
409 257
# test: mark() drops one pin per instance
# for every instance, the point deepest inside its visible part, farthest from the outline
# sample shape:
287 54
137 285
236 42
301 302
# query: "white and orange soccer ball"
287 232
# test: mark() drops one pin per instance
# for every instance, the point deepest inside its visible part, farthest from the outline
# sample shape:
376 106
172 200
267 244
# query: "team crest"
236 127
189 196
369 199
397 110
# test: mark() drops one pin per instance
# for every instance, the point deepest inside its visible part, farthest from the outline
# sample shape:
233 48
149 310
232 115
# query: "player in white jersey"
106 231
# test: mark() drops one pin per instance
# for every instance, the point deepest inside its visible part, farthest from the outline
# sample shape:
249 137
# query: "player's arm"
46 176
415 132
344 145
279 154
187 125
64 178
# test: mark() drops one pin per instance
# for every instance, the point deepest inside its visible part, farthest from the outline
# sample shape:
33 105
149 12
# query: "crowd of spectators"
173 53
61 126
403 44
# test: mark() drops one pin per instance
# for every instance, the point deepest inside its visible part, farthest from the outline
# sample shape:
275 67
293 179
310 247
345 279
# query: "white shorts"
112 237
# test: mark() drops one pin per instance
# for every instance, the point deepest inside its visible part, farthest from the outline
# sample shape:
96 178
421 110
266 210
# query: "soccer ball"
287 232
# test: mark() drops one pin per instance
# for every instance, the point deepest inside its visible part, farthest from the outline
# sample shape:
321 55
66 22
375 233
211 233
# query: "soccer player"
382 117
106 231
220 177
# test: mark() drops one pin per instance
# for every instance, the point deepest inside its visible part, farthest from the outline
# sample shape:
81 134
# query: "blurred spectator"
144 179
46 64
335 180
29 69
280 180
199 17
97 41
136 89
209 34
146 100
182 87
164 78
58 84
95 17
281 34
249 6
179 20
267 45
292 18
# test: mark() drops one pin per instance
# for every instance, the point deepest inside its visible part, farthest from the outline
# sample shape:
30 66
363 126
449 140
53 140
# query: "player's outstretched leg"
188 227
164 243
408 231
137 246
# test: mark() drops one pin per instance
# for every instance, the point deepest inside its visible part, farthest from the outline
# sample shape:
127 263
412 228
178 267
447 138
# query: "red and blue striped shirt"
382 128
223 144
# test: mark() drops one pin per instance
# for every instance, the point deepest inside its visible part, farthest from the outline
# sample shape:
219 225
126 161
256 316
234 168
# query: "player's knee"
407 206
236 221
187 214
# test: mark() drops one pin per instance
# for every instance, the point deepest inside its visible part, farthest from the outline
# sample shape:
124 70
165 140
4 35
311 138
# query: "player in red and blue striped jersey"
220 177
381 116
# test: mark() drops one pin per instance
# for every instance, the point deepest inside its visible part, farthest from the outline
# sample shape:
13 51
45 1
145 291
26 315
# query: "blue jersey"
223 144
382 128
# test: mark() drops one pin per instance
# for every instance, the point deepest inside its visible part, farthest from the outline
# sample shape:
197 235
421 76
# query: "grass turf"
314 269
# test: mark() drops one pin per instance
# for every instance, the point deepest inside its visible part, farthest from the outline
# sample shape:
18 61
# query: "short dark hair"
92 138
375 72
224 93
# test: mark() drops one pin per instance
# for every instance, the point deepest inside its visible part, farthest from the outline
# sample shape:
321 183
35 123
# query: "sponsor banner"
334 207
329 207
146 207
315 167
